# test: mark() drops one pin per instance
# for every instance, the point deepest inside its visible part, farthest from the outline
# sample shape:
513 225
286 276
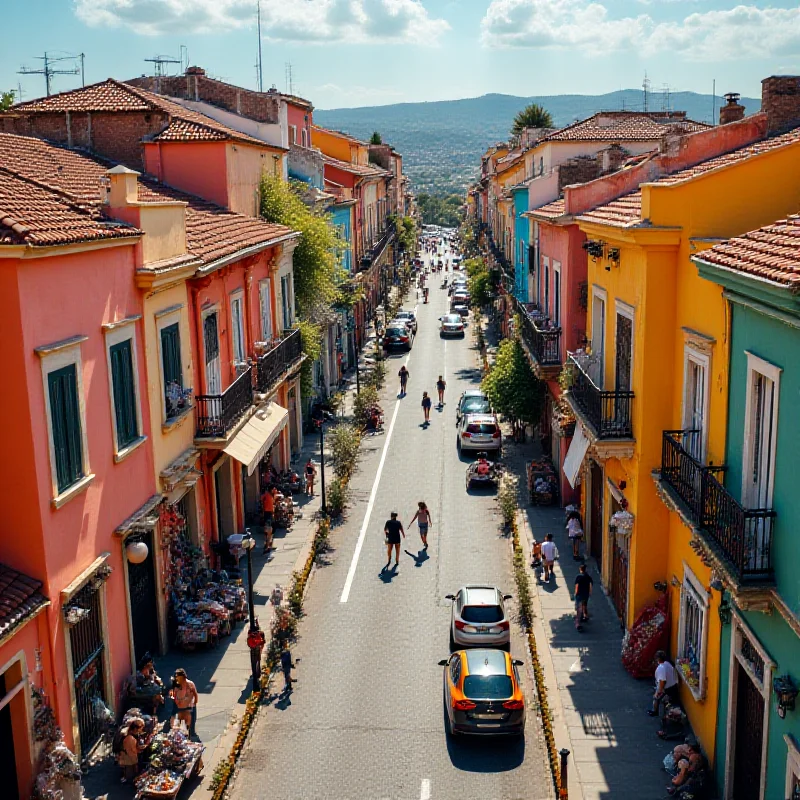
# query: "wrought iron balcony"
276 362
741 537
218 413
544 343
608 412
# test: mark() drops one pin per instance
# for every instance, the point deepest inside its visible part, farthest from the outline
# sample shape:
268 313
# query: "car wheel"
458 444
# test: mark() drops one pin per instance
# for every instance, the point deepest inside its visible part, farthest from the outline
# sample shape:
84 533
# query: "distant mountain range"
442 141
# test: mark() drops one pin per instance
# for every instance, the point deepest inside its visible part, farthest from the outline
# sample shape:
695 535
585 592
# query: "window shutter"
124 393
171 364
65 422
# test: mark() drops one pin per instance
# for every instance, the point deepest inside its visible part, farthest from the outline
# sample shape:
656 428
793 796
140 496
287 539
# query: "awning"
575 455
257 436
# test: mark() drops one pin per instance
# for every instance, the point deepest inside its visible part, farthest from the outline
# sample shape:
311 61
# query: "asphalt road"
365 721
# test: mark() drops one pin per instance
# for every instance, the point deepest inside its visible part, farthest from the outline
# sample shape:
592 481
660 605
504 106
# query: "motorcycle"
483 472
374 422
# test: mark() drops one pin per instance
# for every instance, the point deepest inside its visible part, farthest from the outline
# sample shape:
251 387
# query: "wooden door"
749 738
596 511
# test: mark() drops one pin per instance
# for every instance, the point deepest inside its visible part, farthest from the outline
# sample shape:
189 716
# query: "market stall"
174 758
542 482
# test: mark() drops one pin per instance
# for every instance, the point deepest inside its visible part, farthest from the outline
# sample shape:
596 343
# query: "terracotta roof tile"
20 598
551 210
212 232
771 252
355 169
623 126
627 210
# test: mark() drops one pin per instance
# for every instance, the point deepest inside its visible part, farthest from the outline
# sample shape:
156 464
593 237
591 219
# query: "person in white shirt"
549 552
666 684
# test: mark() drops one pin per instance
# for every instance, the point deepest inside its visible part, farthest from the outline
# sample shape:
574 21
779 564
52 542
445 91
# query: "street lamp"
320 423
255 636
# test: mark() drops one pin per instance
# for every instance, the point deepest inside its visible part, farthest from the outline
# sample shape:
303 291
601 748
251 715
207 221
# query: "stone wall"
780 101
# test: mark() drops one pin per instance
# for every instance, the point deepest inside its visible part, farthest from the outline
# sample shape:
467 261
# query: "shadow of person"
387 575
420 558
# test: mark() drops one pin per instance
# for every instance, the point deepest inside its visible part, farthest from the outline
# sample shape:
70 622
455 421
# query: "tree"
532 116
376 138
512 388
6 100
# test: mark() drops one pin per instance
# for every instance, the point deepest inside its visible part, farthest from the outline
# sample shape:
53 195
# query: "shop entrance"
749 737
8 760
143 600
596 513
619 569
294 434
223 489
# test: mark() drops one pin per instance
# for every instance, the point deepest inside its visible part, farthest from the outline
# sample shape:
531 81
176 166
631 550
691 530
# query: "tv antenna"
289 79
160 64
665 99
49 70
259 64
645 89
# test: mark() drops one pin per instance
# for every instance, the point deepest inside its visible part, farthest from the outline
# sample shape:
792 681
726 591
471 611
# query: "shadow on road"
484 753
387 575
420 558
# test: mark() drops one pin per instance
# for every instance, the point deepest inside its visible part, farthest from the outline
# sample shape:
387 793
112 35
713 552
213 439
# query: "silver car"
479 432
479 618
410 318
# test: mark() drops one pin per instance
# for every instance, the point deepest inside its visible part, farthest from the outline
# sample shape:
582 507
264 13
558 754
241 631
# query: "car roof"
481 595
480 419
403 313
486 662
474 393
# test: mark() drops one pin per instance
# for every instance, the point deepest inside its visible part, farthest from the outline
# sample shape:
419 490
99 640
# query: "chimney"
123 187
780 101
195 71
732 111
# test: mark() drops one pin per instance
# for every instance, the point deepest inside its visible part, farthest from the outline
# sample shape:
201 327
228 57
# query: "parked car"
461 310
451 325
478 432
472 401
398 336
479 617
460 299
410 317
482 693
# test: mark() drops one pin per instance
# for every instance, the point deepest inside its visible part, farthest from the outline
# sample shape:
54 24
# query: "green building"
755 517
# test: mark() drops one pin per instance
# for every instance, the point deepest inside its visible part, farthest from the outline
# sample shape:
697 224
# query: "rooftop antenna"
289 80
82 57
714 102
160 64
665 99
645 89
184 58
48 70
260 70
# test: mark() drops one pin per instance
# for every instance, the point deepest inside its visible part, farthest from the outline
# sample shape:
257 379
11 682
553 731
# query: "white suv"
478 432
479 617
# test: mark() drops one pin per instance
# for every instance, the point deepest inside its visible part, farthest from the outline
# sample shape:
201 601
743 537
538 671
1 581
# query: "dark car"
472 401
482 693
398 337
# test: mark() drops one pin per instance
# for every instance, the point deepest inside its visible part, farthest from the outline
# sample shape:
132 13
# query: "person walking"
426 407
423 518
441 385
583 591
403 375
392 531
286 667
311 475
666 684
575 533
268 513
549 553
184 699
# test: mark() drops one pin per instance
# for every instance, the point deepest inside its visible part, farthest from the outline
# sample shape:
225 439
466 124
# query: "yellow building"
651 389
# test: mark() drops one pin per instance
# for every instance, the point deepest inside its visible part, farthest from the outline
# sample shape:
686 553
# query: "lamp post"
255 636
323 509
358 359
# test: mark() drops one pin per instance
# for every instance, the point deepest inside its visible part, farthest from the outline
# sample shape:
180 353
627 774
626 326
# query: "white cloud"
329 21
735 33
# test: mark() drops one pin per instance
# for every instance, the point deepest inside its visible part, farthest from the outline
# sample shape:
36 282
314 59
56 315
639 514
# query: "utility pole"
82 57
48 70
260 65
645 89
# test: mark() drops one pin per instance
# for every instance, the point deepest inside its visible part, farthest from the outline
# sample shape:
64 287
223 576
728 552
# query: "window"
692 631
598 335
65 422
792 790
172 371
623 380
695 402
123 381
293 134
211 347
557 293
305 137
546 286
265 300
760 432
286 299
237 327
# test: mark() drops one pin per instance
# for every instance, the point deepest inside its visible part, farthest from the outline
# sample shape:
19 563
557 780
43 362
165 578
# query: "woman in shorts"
423 517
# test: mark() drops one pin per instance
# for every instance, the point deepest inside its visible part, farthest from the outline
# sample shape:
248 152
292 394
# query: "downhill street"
365 720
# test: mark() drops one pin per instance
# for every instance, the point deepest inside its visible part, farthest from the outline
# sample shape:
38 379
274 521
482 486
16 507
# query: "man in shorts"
392 530
403 375
548 555
583 591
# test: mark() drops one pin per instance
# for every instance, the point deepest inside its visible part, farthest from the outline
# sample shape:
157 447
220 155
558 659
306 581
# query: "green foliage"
474 266
480 289
311 338
6 100
406 232
338 495
513 389
508 496
437 210
532 116
343 441
375 138
368 396
314 259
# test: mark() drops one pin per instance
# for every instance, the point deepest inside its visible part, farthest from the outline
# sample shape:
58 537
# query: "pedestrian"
311 474
130 749
392 530
666 684
403 375
583 591
286 666
549 554
184 699
423 517
575 533
426 407
268 513
441 385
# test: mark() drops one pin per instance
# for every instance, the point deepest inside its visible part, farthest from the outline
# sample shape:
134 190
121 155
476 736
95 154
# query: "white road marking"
351 573
425 790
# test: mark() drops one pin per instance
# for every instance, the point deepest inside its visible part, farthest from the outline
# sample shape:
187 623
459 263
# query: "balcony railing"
218 413
742 536
275 362
544 343
609 412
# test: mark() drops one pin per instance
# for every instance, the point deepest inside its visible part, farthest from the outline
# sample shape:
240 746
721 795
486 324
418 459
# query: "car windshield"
488 687
487 427
396 332
405 315
482 613
475 404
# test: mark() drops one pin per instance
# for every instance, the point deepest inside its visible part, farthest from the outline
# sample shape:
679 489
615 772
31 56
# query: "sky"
372 52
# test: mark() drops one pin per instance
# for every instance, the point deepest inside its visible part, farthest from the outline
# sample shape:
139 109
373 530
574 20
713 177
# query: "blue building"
342 214
521 235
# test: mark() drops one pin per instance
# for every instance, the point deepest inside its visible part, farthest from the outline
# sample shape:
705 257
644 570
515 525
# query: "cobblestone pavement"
365 721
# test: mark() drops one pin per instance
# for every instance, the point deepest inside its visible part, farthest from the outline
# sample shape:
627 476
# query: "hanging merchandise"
59 773
648 635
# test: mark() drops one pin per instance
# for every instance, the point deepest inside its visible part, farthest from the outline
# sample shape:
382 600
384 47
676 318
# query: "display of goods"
162 782
648 635
173 750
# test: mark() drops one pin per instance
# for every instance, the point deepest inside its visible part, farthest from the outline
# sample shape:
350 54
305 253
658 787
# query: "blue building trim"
341 218
522 236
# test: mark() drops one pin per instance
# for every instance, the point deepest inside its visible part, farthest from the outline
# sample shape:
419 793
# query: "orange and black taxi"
482 693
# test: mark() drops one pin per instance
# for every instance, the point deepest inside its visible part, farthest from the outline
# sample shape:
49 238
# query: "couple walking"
393 530
427 403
